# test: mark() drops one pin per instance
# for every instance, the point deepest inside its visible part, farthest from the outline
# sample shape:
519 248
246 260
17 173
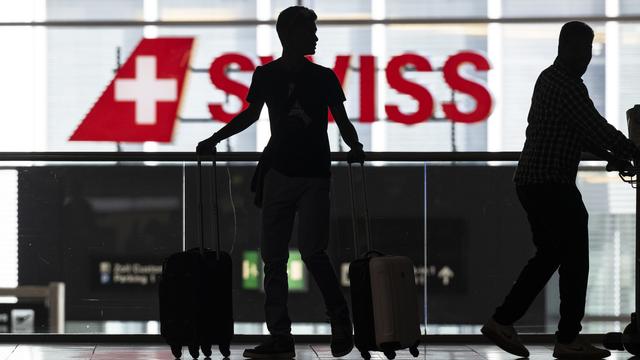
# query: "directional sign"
446 274
251 277
252 271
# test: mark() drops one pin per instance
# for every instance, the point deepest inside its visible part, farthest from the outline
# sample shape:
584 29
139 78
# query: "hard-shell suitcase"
196 308
383 298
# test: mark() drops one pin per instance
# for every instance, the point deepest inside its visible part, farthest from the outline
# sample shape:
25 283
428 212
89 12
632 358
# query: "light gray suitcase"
383 295
395 303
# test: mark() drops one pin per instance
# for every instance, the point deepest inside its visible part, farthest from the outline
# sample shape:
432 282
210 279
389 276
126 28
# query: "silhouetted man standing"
293 176
563 122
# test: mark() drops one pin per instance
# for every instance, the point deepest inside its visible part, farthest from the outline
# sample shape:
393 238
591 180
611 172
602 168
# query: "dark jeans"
308 197
558 222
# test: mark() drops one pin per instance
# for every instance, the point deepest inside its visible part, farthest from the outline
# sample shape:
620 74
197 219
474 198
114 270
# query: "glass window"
435 9
553 8
629 7
94 10
357 9
177 10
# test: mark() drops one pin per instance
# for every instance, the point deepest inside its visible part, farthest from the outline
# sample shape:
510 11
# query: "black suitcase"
196 308
383 303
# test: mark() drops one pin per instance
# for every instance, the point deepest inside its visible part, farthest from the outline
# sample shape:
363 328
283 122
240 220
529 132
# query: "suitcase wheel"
206 350
365 355
390 355
225 350
414 351
194 351
176 350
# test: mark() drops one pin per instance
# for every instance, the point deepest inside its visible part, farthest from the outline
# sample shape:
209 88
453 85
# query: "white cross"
146 90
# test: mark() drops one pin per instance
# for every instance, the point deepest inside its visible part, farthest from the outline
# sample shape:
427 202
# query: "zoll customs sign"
142 102
126 272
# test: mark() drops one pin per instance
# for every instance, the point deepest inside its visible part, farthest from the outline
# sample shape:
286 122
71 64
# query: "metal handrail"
325 21
255 156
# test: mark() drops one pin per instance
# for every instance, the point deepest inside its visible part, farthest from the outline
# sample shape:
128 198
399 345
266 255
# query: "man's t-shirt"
298 106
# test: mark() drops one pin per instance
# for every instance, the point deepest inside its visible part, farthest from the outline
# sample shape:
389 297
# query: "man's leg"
574 273
574 269
540 203
313 238
278 213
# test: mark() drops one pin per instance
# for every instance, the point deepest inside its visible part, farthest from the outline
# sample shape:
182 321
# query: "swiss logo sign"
141 103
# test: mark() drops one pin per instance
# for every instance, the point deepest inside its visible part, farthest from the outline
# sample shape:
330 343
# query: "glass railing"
101 224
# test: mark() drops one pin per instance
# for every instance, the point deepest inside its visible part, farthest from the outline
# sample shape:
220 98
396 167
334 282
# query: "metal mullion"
327 22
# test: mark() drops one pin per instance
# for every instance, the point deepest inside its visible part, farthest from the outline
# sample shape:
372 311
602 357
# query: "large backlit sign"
395 79
141 103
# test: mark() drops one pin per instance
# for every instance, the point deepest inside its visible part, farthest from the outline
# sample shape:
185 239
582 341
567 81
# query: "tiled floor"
303 352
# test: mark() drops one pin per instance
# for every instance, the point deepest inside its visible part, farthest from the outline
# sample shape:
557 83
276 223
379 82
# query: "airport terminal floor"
303 352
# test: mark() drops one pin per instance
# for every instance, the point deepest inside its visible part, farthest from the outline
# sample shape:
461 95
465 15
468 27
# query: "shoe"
341 337
579 349
505 337
282 347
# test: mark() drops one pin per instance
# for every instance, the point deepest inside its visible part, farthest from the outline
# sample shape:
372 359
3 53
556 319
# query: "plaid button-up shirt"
563 122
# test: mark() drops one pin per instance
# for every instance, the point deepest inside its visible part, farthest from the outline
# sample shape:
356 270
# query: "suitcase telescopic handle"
215 203
353 209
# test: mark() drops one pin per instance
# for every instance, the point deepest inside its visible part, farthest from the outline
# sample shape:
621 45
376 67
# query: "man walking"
562 123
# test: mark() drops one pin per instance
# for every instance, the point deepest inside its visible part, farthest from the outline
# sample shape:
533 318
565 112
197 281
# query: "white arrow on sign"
446 274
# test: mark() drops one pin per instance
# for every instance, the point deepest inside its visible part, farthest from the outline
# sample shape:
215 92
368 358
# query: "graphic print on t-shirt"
296 112
298 104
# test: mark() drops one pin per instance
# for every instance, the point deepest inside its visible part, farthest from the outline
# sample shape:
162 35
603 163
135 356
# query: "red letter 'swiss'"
340 69
219 78
475 90
264 60
367 88
422 95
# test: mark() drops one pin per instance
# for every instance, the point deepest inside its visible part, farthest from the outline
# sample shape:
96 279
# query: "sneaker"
275 347
505 337
341 337
579 349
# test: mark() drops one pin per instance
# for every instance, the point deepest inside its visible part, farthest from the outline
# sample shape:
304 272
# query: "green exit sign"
295 270
252 271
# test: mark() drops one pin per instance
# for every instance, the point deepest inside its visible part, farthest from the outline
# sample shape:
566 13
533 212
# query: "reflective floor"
303 352
298 328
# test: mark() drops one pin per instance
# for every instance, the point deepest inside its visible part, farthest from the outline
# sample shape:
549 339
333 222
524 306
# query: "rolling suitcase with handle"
196 308
383 296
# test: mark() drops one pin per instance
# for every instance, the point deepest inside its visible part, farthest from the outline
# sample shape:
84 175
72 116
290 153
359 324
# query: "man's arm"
593 128
347 130
598 151
240 122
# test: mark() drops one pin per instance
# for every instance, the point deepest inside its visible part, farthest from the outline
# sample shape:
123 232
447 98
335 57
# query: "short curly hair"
291 17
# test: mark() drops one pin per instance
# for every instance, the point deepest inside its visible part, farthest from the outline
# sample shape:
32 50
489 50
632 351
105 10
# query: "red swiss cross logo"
141 103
